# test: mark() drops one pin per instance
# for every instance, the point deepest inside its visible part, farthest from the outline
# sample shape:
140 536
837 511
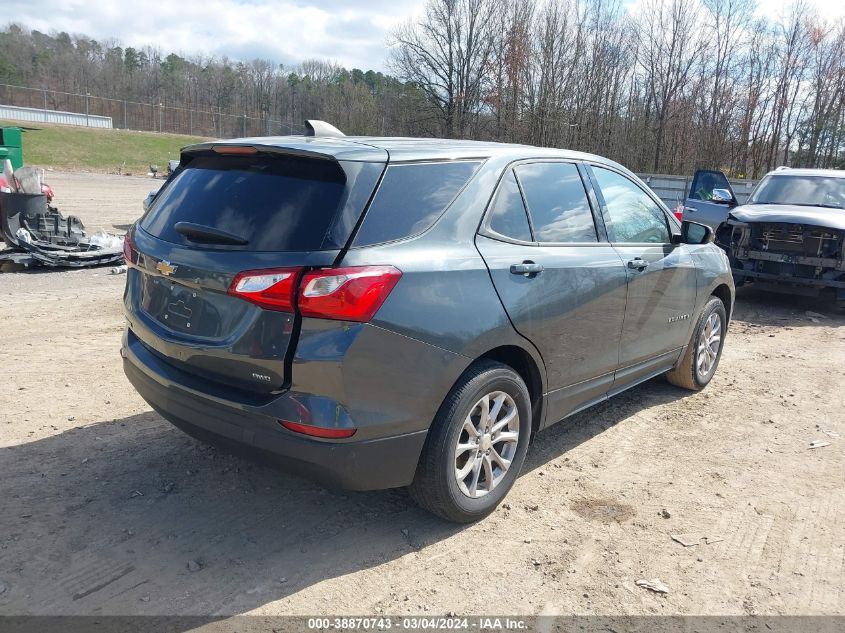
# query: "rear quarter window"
507 215
411 198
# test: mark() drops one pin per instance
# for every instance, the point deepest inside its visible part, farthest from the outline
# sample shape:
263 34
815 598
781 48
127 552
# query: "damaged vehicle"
790 235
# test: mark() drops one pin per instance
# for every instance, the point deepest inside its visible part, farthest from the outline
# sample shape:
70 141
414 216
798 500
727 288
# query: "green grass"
77 148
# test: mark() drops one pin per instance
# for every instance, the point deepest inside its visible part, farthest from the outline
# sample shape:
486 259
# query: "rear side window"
275 203
557 202
411 198
507 216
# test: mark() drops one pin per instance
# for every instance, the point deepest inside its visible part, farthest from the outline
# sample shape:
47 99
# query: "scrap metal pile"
36 234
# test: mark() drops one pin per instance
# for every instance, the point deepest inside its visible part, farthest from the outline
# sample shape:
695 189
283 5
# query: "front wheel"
476 445
702 355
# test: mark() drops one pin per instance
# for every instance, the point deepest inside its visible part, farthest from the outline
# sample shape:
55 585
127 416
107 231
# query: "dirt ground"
107 509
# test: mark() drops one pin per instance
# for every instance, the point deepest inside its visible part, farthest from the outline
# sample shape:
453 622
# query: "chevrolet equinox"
384 312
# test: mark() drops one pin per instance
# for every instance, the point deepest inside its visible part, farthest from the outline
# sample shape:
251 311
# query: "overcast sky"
352 32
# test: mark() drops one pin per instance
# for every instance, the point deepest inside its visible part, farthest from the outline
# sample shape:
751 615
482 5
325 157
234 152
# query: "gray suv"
384 312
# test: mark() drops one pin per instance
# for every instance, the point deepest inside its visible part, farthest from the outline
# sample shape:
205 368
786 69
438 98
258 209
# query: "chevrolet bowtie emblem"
165 268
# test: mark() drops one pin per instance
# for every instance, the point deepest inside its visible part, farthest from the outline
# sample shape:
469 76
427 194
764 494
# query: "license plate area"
181 308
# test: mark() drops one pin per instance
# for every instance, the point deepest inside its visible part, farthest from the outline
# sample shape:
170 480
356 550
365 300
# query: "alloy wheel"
708 345
486 444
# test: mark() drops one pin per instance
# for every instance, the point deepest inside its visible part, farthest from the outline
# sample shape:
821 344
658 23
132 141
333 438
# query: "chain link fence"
151 117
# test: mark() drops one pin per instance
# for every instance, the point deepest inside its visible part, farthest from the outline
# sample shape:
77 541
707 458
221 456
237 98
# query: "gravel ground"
107 509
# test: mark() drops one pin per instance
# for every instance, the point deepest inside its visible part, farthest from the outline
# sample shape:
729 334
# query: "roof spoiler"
315 127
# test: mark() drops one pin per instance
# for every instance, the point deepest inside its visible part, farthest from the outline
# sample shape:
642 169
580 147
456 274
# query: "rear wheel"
702 355
476 445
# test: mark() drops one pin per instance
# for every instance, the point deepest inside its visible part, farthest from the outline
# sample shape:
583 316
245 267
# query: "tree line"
677 85
670 87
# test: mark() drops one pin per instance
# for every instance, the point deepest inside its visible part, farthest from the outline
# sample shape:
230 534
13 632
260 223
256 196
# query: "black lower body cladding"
356 465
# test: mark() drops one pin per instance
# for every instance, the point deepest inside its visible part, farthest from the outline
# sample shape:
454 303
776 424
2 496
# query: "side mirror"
695 233
721 196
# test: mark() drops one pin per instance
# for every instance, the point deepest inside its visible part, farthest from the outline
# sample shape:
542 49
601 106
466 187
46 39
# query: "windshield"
813 191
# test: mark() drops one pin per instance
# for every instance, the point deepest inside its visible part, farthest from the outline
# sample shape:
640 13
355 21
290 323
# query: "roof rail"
782 167
315 127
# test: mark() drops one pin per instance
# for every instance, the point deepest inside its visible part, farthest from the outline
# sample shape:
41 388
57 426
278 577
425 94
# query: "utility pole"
160 117
45 104
87 95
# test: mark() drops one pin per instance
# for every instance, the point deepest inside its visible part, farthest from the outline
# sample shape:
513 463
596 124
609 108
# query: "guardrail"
40 115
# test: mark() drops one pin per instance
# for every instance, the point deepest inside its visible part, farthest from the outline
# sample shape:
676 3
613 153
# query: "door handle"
638 263
526 268
690 209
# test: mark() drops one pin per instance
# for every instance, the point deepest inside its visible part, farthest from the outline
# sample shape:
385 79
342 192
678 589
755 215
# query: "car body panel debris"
37 234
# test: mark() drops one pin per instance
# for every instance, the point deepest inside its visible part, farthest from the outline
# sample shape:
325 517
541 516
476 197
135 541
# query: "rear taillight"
353 293
129 252
317 431
679 212
347 294
272 289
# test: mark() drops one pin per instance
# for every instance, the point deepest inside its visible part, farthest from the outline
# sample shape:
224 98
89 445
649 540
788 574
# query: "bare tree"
678 85
446 54
727 23
792 48
823 129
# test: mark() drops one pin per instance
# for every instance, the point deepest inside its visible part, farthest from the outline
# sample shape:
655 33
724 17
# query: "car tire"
697 366
438 485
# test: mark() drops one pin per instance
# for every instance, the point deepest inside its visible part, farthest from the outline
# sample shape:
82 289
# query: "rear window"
411 198
275 203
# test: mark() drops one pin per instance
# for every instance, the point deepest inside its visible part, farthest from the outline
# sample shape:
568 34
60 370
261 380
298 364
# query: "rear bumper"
369 464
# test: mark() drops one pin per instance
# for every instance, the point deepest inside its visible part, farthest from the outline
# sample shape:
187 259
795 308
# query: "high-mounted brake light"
272 289
237 150
353 293
129 252
317 431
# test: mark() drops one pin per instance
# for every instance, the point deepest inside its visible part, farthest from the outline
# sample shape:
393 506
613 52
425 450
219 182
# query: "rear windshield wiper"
208 234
